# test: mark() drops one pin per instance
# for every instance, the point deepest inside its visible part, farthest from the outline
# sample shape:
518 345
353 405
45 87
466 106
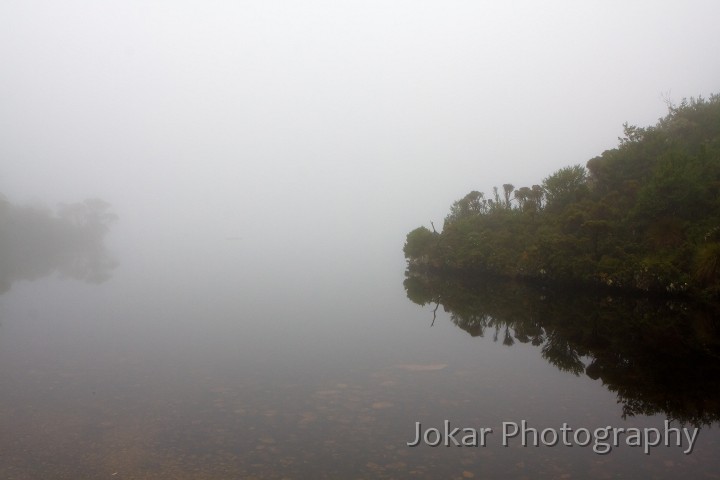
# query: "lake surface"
230 363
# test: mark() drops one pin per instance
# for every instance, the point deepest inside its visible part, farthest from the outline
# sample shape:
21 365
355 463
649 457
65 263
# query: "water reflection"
35 242
659 357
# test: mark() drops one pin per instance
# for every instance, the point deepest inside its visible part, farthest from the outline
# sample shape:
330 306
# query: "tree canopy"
34 241
642 216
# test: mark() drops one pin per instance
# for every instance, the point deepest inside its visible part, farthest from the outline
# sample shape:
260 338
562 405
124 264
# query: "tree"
537 193
508 189
639 217
472 204
565 185
35 242
523 195
419 243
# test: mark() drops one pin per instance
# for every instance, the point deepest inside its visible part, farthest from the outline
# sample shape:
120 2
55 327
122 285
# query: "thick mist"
318 134
227 185
266 159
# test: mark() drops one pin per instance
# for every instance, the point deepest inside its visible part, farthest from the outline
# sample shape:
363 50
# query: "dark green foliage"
567 185
638 217
707 264
474 203
419 243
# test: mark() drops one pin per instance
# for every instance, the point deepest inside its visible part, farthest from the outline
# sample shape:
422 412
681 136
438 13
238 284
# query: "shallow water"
239 369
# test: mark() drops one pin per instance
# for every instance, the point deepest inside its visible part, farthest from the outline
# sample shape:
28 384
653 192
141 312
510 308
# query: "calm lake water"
239 365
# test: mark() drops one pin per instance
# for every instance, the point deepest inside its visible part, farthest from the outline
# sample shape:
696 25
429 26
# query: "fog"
318 127
236 304
319 133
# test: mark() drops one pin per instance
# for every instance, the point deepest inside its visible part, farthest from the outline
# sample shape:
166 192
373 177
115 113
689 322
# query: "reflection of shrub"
657 356
418 290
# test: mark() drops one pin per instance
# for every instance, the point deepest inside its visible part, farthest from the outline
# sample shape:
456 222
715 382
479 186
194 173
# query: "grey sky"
325 123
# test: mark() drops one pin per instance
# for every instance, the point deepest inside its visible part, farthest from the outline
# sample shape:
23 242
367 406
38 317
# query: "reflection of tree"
558 351
657 357
34 242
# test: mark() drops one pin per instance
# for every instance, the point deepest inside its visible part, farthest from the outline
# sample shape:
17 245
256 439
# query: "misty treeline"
36 241
658 357
642 216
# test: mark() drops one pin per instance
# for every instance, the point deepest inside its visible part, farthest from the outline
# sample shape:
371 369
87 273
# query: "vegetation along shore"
644 216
